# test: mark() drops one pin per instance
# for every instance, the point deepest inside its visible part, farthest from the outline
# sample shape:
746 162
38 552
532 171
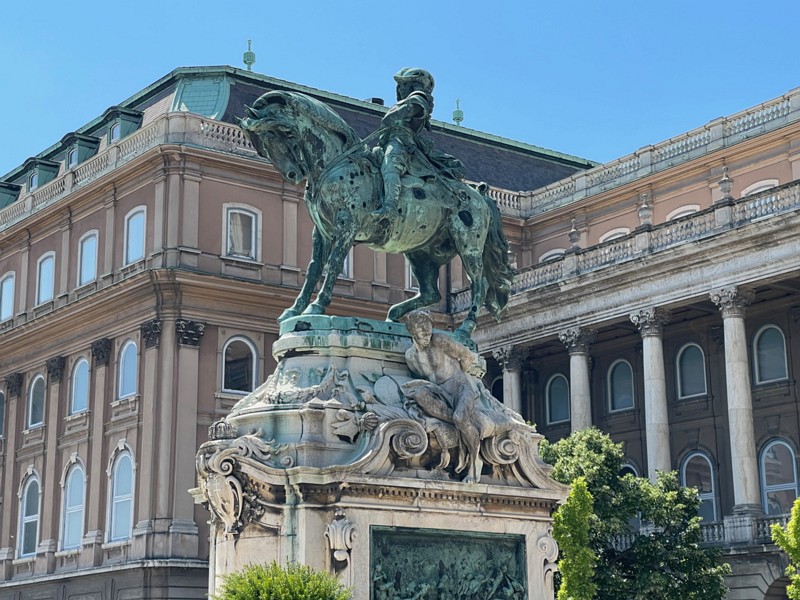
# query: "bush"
273 582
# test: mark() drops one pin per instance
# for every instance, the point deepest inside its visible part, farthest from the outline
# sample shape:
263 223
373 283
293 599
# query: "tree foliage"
788 539
663 561
571 529
273 582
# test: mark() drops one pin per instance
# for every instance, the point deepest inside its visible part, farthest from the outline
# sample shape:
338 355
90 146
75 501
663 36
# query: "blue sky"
594 79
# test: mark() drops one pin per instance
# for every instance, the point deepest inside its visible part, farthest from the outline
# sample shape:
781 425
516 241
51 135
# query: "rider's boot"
391 185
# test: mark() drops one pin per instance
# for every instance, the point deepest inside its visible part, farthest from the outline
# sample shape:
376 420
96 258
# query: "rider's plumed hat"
415 75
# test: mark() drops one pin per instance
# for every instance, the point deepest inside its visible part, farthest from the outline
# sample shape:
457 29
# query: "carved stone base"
334 446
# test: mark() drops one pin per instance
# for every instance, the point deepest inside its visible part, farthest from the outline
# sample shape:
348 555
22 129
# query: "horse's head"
297 133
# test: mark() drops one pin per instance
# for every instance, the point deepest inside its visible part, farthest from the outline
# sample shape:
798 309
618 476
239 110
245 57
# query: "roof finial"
458 114
249 57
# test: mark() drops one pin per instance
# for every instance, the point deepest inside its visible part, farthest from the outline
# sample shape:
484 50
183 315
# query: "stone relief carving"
341 533
189 332
101 351
55 368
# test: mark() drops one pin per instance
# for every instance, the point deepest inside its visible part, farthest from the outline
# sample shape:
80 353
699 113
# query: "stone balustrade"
700 225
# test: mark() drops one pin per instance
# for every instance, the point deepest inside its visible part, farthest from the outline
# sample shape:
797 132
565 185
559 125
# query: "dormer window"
72 158
33 181
79 148
115 132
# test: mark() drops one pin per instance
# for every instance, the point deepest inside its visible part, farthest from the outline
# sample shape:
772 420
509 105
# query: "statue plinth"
333 445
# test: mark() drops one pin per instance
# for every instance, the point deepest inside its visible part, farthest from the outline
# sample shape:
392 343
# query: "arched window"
620 386
114 132
769 354
552 255
238 365
45 278
778 477
134 235
29 518
87 265
691 371
72 158
557 393
72 517
120 518
698 472
683 211
79 400
614 234
628 469
7 297
759 186
128 369
2 413
33 181
36 402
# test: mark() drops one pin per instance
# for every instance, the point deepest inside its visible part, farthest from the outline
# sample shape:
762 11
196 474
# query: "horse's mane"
325 117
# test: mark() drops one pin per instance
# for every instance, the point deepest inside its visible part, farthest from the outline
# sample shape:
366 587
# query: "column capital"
151 333
650 321
55 368
101 351
189 332
732 301
577 339
510 358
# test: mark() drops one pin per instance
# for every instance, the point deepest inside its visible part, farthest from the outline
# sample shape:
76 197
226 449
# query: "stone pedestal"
330 464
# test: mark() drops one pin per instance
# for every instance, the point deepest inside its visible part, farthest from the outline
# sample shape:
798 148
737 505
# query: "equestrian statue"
401 196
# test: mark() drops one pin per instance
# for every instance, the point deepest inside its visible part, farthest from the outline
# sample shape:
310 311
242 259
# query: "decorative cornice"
732 301
14 384
510 358
151 333
189 332
101 351
577 340
650 321
55 369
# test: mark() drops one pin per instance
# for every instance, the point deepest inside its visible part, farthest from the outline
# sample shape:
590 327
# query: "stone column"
511 359
578 341
732 302
650 322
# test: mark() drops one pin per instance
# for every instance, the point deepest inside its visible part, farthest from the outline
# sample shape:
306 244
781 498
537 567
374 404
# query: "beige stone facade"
656 297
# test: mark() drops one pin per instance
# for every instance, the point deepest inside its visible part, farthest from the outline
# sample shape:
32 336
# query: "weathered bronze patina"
430 217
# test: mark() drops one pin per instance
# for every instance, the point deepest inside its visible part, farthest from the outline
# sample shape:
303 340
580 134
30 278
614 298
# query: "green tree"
571 529
789 540
273 582
665 561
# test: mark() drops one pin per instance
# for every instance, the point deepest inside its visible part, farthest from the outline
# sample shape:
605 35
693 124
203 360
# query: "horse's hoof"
314 309
287 314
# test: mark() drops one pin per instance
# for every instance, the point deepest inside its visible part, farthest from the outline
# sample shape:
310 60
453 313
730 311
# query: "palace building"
145 257
143 261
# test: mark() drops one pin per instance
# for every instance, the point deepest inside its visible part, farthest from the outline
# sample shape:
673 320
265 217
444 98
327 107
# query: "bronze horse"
437 217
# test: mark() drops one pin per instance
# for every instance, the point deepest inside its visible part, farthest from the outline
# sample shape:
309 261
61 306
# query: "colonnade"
732 303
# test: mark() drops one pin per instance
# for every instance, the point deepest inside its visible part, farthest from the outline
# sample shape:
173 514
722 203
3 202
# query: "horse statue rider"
399 138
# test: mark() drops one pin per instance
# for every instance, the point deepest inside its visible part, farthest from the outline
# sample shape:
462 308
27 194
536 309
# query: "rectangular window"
44 288
241 234
88 264
7 298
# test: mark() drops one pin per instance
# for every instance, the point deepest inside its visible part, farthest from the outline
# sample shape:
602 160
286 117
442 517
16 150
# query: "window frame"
756 370
113 500
547 396
410 284
553 254
253 353
44 257
28 420
122 394
33 181
704 496
679 377
614 234
66 510
682 211
760 186
126 260
69 162
255 233
347 265
25 519
83 239
779 487
12 277
72 409
2 413
609 389
114 132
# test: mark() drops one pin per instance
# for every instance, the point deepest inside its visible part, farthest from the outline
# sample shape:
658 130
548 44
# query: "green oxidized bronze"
428 214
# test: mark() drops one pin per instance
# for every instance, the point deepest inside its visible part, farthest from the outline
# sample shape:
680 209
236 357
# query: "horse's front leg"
320 249
343 235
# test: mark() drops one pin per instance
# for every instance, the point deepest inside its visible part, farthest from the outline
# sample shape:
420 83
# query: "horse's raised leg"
320 249
426 271
343 236
470 249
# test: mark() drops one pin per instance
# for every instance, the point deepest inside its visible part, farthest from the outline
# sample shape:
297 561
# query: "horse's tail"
496 267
